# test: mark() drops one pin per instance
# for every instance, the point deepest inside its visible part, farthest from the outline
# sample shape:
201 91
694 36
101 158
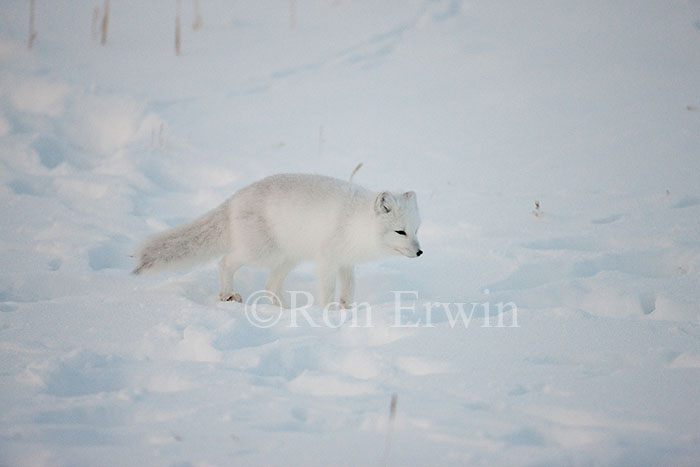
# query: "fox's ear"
409 195
384 203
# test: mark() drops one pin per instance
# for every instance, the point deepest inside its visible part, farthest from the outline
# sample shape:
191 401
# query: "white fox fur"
283 220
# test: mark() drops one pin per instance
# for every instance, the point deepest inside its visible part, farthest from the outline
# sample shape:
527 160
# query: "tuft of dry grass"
390 429
93 26
32 31
537 212
292 14
105 23
352 175
197 23
177 28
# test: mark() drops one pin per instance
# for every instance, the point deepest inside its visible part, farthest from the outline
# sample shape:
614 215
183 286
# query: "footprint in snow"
607 220
80 373
687 202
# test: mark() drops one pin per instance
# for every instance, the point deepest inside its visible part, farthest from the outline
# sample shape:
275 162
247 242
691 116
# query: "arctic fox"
283 220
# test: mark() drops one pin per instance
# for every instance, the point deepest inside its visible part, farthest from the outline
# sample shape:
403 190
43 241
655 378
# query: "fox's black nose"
419 252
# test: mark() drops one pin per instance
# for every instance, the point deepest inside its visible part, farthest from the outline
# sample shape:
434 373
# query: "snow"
483 108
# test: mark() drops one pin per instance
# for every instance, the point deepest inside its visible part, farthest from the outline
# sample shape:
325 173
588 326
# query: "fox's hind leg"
326 274
275 281
346 274
228 265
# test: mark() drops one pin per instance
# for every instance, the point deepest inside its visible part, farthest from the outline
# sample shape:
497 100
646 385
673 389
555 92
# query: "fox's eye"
400 232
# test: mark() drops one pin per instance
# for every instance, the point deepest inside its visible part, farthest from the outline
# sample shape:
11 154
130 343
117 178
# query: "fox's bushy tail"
185 245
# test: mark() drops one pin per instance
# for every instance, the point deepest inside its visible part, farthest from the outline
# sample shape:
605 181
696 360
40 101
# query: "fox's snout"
409 252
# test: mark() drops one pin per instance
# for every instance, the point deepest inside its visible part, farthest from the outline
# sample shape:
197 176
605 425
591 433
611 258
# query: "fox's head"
398 221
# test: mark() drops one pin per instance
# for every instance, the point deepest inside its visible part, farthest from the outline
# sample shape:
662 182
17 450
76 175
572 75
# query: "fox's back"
300 213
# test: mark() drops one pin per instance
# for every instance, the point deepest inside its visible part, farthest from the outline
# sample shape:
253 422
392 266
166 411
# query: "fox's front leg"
326 275
275 281
347 286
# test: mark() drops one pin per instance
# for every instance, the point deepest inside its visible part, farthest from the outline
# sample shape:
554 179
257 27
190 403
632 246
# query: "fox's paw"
230 297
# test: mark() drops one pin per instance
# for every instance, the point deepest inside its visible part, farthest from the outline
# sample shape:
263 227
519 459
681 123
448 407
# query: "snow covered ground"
589 108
